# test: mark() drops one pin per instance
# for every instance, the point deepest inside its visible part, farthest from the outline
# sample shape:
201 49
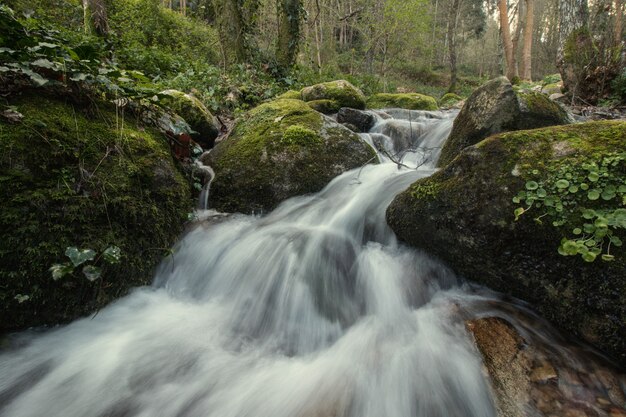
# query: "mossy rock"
554 88
324 106
341 91
409 101
290 95
495 107
449 100
464 214
199 118
279 150
71 176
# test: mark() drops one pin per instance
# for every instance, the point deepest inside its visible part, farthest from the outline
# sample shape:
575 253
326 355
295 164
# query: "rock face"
363 121
195 114
495 107
340 91
465 215
279 150
409 101
70 178
529 379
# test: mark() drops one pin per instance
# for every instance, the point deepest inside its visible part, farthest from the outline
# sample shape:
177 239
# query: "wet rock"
199 118
363 121
465 215
279 150
495 107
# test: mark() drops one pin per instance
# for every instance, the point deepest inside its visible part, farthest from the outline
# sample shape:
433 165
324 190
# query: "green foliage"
588 199
619 86
78 257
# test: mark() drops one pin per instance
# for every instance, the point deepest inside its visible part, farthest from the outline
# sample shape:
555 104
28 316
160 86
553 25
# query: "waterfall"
312 310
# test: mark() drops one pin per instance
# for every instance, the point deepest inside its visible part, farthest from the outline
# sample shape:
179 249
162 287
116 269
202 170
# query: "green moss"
341 91
71 175
421 190
411 101
325 106
300 136
290 95
449 99
540 104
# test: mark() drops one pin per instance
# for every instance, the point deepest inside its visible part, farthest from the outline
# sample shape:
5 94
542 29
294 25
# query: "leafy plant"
588 200
87 258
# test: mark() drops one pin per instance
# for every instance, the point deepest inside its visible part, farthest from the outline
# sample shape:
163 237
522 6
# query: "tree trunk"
289 26
618 24
236 23
573 16
95 17
452 24
507 43
528 41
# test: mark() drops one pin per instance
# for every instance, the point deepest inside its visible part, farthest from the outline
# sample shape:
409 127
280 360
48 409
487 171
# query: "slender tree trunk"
452 24
528 41
573 15
507 43
236 24
618 23
517 36
95 17
289 21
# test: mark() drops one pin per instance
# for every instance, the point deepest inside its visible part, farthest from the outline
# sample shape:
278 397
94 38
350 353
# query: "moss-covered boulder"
290 95
199 118
409 101
465 214
278 150
324 106
495 107
341 91
70 175
449 100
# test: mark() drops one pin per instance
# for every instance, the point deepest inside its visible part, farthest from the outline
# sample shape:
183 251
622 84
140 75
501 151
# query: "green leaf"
562 184
43 63
589 257
593 176
584 186
20 298
112 254
541 193
61 270
79 257
92 272
593 195
532 185
79 77
608 258
577 231
589 214
518 212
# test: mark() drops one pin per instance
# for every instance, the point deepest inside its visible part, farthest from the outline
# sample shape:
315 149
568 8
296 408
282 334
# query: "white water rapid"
314 310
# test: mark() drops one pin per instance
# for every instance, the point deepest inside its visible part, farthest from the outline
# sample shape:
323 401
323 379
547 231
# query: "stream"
314 310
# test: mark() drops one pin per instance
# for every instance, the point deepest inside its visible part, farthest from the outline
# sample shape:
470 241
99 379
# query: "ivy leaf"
61 270
593 195
79 257
43 63
21 298
79 77
532 185
92 272
112 254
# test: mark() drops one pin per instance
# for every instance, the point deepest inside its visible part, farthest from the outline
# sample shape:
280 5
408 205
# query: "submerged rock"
199 118
465 215
279 150
409 101
340 91
70 177
361 120
495 107
529 379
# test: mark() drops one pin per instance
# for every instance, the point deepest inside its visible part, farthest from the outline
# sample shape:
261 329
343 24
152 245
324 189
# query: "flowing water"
314 310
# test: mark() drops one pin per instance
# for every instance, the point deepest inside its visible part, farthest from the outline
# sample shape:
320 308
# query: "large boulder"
363 121
341 92
199 118
71 176
409 101
554 180
495 107
279 150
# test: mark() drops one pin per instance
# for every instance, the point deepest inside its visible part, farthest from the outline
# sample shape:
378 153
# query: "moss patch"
71 175
290 95
449 100
341 91
410 101
325 106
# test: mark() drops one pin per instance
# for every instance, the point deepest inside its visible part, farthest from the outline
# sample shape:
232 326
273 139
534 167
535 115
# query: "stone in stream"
341 92
528 379
363 121
279 150
495 107
409 101
466 215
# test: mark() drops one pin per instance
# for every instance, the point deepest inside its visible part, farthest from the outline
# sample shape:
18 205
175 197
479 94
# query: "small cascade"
312 310
209 175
